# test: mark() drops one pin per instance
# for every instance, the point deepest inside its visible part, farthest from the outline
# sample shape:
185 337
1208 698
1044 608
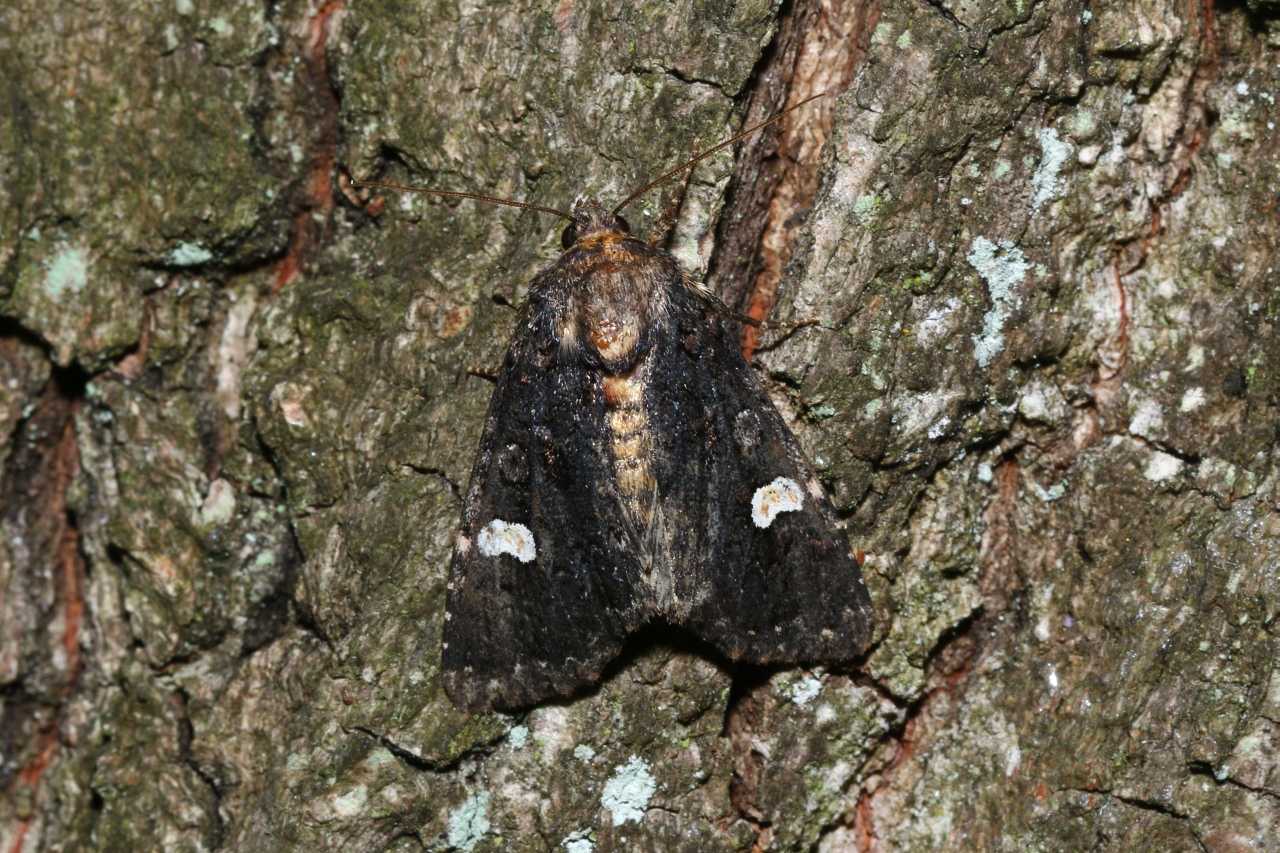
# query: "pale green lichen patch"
67 272
579 842
1003 267
469 822
189 255
804 690
1054 153
865 208
627 793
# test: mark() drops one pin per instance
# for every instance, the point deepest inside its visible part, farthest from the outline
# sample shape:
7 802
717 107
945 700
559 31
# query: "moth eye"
513 464
623 225
568 236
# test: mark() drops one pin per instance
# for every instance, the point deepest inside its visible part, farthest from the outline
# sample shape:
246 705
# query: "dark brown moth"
633 469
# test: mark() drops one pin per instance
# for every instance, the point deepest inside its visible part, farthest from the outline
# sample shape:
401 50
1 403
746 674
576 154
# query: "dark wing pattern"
763 571
541 590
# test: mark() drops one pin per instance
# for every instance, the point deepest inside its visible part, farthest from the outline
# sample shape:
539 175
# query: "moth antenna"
705 154
472 196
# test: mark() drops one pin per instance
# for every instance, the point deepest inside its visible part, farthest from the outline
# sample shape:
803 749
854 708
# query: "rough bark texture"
236 413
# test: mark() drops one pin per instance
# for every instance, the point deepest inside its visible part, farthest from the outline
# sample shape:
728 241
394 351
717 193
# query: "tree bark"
237 412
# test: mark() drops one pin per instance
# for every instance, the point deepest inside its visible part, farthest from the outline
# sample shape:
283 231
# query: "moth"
633 469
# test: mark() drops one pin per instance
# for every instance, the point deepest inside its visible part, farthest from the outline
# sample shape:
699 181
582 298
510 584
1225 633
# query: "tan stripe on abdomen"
630 441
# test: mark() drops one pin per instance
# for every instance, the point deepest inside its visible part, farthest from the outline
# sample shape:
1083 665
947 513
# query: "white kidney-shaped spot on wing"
782 495
502 537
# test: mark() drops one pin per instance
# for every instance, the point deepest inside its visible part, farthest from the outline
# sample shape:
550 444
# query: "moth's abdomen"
631 441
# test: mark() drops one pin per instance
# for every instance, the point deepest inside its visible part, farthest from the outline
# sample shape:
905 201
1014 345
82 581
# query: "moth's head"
593 225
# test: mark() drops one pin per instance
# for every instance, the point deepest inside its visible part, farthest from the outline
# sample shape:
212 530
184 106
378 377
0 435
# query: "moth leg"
483 372
716 304
668 217
769 325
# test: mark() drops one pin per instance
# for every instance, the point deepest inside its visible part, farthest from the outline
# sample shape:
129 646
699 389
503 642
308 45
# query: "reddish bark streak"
39 477
314 202
832 47
744 718
818 48
863 821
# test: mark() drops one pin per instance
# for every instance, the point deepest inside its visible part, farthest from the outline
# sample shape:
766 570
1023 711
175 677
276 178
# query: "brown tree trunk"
237 412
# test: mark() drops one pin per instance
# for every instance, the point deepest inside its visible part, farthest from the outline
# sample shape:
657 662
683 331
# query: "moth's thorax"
617 290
